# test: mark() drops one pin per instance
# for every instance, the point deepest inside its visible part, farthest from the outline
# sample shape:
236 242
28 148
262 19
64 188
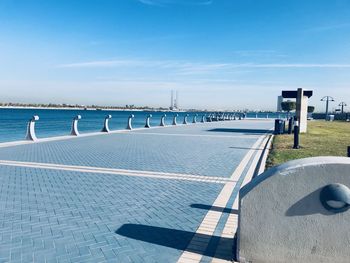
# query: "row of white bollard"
225 117
75 132
267 116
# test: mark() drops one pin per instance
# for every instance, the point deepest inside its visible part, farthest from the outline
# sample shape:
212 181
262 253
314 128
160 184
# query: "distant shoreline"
125 109
83 109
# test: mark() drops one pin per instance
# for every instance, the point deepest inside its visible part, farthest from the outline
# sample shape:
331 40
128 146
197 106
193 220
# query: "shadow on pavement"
173 238
215 208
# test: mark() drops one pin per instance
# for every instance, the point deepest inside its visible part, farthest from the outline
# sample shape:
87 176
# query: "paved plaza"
165 194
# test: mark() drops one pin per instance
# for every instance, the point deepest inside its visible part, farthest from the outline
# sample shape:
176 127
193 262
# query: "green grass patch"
322 139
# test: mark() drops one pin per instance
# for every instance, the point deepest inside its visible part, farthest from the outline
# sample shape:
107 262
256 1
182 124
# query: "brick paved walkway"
137 196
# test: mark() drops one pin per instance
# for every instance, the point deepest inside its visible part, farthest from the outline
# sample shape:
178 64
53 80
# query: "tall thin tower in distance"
174 103
172 100
177 100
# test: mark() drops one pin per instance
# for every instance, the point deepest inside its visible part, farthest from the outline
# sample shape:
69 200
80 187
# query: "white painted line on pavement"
135 173
197 246
265 155
230 228
197 135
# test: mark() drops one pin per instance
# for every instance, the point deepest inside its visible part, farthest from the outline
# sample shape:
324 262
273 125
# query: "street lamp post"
327 99
342 105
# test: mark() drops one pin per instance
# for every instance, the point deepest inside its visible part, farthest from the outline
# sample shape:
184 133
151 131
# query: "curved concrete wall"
282 219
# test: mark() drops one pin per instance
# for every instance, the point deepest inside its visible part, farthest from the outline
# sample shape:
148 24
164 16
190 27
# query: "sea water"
57 122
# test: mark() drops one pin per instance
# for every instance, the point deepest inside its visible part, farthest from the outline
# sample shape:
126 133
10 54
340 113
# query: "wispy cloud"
296 65
101 63
258 53
188 68
175 2
126 63
178 67
328 27
200 68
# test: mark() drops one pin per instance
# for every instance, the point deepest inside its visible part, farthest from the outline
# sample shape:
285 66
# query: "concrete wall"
281 217
301 110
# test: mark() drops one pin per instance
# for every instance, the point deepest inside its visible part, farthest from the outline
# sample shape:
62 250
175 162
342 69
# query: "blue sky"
219 54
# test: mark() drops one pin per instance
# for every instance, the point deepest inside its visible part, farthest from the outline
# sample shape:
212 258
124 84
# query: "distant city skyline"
219 54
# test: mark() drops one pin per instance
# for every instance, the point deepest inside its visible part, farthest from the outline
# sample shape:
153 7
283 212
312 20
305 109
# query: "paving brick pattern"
178 154
245 127
69 216
59 216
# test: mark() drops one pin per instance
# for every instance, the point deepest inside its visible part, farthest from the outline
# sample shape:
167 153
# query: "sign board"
292 94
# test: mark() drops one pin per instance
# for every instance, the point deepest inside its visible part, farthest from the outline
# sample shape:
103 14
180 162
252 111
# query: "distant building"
172 100
279 101
174 103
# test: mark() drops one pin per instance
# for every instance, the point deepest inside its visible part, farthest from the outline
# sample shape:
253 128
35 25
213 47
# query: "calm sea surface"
13 122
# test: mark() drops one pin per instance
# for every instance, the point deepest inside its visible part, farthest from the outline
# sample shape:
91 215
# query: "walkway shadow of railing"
172 238
237 130
215 208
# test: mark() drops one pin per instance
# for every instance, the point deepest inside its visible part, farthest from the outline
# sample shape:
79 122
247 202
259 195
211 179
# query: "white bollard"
148 125
74 130
185 119
174 119
31 129
162 120
195 118
105 125
129 126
